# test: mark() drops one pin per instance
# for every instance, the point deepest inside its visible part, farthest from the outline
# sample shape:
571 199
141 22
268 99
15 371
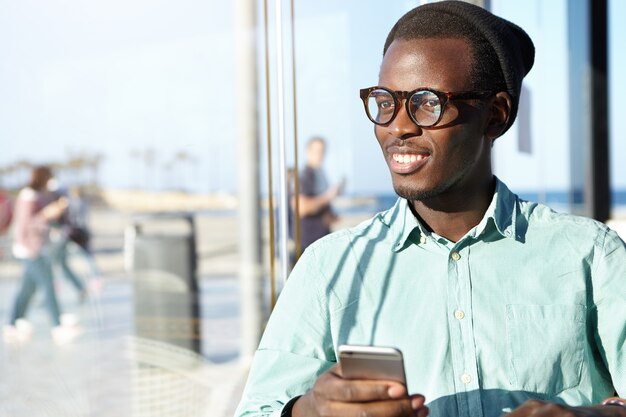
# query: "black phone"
371 362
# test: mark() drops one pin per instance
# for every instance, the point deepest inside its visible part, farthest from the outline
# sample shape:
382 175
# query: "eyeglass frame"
444 98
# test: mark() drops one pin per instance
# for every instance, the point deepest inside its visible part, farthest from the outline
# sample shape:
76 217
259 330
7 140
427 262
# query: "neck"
453 214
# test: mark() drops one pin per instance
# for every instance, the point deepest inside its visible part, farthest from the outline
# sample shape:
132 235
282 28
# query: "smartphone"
371 362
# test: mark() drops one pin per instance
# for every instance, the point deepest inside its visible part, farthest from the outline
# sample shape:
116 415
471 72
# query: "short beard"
412 194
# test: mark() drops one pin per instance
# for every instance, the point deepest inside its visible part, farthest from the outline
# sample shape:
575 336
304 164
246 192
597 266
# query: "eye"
425 101
385 104
431 105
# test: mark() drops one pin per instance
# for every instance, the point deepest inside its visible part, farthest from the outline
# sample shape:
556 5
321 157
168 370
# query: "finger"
388 408
539 408
335 388
396 390
530 407
417 401
336 370
341 389
422 412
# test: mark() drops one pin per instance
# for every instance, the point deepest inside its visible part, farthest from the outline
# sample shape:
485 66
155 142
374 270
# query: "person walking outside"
35 210
71 232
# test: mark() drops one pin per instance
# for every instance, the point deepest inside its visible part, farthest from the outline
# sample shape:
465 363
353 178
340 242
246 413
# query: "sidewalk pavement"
110 371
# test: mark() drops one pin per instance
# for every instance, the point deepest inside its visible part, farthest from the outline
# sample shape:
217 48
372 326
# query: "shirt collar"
401 222
504 210
502 213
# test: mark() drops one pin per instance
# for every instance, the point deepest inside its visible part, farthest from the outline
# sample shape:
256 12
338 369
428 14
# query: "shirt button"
422 239
459 314
466 379
455 256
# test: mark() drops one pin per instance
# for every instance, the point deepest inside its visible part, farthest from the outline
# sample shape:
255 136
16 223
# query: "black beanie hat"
513 46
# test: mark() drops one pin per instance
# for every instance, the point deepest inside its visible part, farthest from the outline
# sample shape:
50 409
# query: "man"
500 306
316 196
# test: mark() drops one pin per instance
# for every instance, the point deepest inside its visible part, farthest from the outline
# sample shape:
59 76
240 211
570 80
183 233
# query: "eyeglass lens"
424 107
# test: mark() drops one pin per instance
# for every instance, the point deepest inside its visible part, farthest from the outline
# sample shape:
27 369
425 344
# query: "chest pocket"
545 346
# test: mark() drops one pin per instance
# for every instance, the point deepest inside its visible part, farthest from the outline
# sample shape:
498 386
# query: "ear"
500 111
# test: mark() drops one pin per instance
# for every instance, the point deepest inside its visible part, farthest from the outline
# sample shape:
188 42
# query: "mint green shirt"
528 304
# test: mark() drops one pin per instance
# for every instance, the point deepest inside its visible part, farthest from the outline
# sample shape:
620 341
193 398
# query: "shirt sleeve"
296 347
308 184
610 302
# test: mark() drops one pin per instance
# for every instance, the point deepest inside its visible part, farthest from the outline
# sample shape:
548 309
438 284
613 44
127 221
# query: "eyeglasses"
424 106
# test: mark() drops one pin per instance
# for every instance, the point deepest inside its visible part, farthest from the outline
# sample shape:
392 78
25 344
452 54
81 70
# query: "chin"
413 193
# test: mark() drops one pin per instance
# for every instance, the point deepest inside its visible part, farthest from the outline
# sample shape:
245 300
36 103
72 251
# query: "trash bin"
161 256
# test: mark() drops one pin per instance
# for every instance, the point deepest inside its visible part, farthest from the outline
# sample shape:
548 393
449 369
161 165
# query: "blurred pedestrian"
71 232
6 212
79 233
35 210
6 215
316 195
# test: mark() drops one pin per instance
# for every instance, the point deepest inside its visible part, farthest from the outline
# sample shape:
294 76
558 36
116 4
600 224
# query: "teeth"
407 158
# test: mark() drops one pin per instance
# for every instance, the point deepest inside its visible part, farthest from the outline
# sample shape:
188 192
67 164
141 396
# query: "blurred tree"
134 154
181 158
22 171
75 164
149 159
94 163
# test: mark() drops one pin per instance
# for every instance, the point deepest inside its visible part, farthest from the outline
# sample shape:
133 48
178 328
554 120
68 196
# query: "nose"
402 126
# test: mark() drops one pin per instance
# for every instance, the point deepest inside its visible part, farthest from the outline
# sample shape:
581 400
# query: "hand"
336 190
55 209
333 192
536 408
333 396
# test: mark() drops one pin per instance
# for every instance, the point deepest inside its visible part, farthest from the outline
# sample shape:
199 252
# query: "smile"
408 158
406 163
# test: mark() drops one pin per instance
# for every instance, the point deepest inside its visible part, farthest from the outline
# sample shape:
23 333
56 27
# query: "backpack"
80 236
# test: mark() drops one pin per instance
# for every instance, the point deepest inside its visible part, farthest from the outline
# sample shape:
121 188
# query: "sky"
117 78
148 84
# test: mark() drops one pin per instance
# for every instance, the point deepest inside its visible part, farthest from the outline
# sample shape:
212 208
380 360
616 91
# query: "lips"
407 162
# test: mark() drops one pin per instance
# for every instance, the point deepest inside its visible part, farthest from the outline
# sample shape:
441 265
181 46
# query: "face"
315 154
454 155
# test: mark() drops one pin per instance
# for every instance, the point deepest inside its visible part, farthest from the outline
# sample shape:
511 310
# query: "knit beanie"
513 46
